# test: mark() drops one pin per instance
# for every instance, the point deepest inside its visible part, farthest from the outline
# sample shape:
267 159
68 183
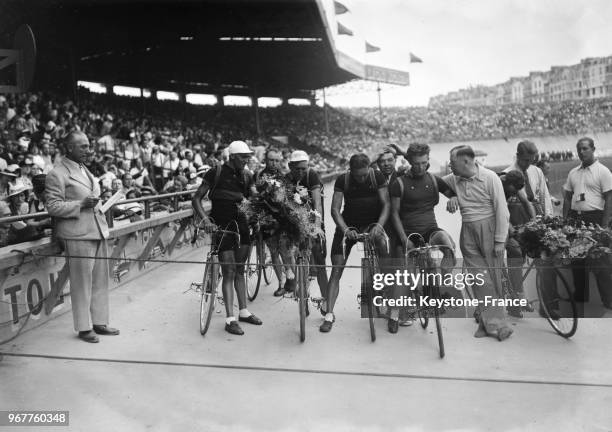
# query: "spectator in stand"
117 186
21 231
170 166
157 166
5 228
6 177
45 156
127 183
25 173
36 204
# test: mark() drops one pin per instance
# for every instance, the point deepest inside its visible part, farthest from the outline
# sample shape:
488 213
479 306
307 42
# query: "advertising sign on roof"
386 75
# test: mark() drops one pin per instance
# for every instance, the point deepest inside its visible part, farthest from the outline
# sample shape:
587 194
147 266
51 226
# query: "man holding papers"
73 196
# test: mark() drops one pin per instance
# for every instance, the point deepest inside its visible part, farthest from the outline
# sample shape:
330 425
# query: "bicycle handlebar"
427 248
216 230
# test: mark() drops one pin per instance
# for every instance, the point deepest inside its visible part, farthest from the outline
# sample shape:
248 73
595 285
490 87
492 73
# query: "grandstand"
272 48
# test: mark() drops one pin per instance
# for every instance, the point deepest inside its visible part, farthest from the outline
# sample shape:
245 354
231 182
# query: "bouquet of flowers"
281 208
562 240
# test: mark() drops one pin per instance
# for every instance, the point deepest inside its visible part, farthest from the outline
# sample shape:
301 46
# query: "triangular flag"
344 30
371 48
415 59
340 8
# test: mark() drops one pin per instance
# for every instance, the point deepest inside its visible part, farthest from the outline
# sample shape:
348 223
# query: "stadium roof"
278 48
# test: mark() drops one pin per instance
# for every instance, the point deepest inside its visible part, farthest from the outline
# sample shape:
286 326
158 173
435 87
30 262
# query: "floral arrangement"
563 240
279 207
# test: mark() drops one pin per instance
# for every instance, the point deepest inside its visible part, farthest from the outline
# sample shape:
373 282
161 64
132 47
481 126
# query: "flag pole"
380 118
326 114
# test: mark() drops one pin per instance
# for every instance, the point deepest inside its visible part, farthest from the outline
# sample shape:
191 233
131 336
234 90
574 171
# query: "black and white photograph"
305 215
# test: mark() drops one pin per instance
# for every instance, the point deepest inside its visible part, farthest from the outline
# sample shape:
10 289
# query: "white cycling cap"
239 147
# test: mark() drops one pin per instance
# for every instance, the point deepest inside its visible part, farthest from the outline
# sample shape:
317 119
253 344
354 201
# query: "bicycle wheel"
436 291
367 280
252 272
209 293
422 313
561 311
266 262
301 293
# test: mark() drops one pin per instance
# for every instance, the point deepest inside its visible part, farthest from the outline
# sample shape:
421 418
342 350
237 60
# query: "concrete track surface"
160 374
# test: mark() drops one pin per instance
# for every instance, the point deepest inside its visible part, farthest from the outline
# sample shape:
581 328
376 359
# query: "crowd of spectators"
557 156
138 150
457 123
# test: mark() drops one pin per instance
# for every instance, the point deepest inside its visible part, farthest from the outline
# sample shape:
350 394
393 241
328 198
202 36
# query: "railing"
174 196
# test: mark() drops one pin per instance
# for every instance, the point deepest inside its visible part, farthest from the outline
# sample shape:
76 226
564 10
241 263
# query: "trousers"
477 242
89 280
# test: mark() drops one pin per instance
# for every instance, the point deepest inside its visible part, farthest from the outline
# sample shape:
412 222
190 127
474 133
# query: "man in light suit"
73 200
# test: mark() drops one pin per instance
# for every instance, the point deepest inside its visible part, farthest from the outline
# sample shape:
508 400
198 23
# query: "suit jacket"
66 186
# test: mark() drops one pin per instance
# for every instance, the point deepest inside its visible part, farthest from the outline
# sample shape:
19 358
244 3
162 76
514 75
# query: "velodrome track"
162 375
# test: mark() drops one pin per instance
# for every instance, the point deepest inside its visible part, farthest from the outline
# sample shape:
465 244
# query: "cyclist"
301 175
366 201
273 159
521 211
226 186
413 198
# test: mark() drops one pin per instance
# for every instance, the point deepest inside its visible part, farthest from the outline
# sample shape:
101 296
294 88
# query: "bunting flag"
340 8
371 48
415 59
344 30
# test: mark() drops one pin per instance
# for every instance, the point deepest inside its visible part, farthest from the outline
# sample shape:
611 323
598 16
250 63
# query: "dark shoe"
607 305
88 336
326 326
290 285
251 319
393 325
279 292
105 330
234 328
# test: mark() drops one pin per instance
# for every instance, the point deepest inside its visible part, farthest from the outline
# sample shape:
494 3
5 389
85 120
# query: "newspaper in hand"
118 196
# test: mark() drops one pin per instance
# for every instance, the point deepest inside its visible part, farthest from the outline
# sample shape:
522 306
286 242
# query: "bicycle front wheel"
436 290
301 293
558 307
367 281
252 272
266 262
210 284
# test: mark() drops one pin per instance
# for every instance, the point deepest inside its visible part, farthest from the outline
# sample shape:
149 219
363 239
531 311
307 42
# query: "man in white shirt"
588 198
170 165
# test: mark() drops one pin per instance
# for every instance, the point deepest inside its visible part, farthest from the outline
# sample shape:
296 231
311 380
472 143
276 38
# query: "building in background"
589 79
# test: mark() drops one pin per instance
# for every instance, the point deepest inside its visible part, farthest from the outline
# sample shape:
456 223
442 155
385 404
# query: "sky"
470 42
